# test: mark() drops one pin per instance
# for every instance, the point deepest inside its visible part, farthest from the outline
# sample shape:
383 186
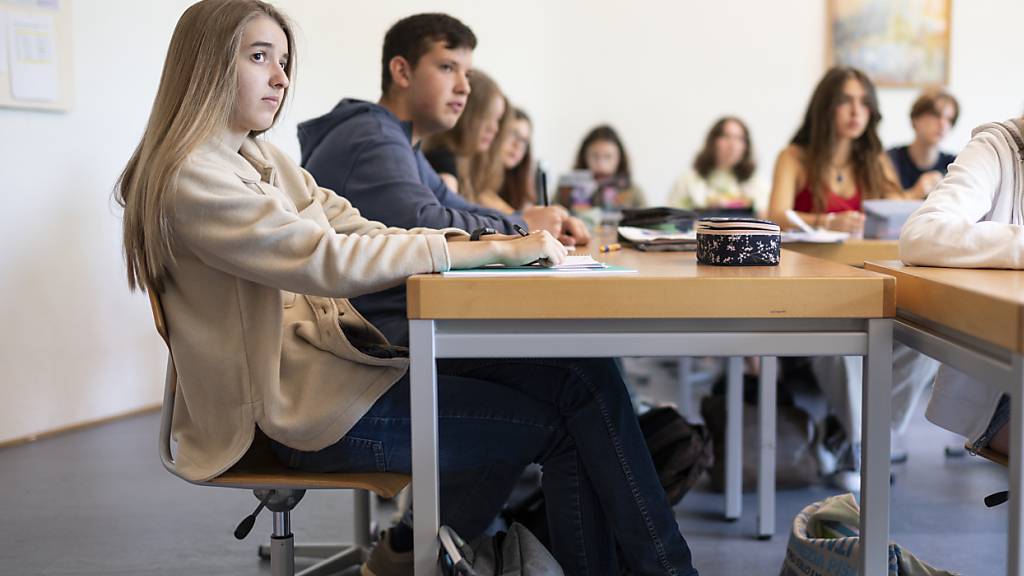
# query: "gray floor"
97 502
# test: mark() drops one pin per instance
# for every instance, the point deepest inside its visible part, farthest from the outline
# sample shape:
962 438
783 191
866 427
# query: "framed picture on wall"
898 43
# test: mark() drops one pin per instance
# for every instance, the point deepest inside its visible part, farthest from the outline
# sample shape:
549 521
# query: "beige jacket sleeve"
325 248
964 222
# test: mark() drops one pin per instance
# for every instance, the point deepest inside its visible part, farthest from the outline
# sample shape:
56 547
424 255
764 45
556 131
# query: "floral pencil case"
738 242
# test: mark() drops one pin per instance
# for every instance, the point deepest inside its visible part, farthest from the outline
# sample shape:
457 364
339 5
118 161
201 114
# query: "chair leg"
348 557
361 518
282 551
307 550
335 558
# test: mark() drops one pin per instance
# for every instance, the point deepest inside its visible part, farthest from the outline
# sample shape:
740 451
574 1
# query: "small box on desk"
738 242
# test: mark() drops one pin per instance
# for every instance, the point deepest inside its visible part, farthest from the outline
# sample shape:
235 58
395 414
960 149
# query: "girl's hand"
850 221
507 250
539 244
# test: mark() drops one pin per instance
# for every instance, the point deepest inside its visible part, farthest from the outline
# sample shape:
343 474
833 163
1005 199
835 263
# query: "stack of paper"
815 237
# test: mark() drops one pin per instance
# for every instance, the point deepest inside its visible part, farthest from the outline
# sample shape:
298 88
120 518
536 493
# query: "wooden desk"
971 320
673 307
851 252
670 285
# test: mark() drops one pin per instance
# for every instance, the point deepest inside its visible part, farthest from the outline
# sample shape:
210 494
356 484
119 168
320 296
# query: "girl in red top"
835 160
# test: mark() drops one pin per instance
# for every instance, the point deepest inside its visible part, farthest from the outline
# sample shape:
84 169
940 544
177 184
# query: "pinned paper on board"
32 46
3 41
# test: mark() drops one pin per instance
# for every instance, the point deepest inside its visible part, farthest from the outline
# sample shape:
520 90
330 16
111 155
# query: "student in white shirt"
973 220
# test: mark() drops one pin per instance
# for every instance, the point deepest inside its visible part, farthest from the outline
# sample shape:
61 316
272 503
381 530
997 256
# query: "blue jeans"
574 417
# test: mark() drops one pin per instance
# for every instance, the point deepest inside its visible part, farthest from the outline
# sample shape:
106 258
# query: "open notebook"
580 264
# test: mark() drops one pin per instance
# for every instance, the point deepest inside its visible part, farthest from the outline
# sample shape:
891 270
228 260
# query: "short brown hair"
928 103
413 36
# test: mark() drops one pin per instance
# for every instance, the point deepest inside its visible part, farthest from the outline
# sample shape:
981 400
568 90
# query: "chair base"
335 558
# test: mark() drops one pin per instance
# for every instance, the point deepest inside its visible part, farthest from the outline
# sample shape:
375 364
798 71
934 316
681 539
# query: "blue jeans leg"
591 398
487 435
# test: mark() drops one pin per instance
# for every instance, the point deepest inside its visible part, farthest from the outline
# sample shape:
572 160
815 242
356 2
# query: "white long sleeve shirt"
971 220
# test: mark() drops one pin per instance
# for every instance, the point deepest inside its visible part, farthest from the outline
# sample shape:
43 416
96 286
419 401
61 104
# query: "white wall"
75 346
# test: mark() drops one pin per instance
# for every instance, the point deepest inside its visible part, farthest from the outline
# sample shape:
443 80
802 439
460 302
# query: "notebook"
579 264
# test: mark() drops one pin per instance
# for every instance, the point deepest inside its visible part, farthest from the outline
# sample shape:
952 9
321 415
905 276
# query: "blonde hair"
195 100
478 172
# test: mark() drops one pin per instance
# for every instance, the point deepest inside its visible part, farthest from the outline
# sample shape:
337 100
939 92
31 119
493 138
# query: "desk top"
985 304
851 252
669 285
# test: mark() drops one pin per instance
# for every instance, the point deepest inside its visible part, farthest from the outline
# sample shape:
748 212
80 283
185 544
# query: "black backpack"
681 451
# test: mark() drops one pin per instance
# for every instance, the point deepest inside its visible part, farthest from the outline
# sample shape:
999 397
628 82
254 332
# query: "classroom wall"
75 346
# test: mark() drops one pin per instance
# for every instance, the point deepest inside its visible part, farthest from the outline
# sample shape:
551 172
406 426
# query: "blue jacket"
364 153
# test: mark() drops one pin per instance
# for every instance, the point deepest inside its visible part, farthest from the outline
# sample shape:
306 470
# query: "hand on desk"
574 232
925 184
850 221
557 221
510 251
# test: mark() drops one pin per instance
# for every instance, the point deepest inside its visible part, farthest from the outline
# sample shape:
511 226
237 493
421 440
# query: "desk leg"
425 484
686 404
734 440
875 431
1014 562
766 455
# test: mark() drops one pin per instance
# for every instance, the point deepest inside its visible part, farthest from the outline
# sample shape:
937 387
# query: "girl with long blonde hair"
254 264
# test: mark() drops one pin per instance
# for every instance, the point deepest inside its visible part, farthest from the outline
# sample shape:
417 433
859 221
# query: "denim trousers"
572 416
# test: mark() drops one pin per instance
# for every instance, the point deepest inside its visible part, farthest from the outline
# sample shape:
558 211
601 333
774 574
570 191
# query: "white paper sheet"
32 43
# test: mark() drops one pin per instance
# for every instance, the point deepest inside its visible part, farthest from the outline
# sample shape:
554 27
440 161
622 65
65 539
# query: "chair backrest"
170 384
258 469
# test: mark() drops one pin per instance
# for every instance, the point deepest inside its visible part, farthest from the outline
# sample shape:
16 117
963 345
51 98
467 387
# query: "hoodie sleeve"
453 202
947 230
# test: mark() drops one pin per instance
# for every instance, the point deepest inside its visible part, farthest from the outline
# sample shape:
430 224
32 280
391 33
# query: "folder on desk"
650 240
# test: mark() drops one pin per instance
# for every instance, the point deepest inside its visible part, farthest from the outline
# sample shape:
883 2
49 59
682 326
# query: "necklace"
839 173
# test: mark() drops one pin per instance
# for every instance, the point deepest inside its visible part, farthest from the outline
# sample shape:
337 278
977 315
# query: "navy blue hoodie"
364 153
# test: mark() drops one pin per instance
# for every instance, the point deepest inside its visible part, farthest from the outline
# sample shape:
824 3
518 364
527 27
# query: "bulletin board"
35 54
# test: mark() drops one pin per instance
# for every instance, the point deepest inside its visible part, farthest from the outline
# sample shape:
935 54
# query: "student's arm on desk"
514 252
946 230
788 175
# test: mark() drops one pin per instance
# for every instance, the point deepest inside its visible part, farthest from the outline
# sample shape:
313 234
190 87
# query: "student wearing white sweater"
973 219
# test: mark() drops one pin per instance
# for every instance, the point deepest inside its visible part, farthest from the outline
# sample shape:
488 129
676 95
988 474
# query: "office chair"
280 489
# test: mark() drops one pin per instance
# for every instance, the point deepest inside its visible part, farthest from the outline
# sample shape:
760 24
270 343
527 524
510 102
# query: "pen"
545 262
796 219
610 247
542 186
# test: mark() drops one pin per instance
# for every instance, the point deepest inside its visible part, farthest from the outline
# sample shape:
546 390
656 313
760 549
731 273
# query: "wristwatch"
484 231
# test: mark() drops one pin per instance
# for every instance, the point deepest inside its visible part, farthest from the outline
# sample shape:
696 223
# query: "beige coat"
264 259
